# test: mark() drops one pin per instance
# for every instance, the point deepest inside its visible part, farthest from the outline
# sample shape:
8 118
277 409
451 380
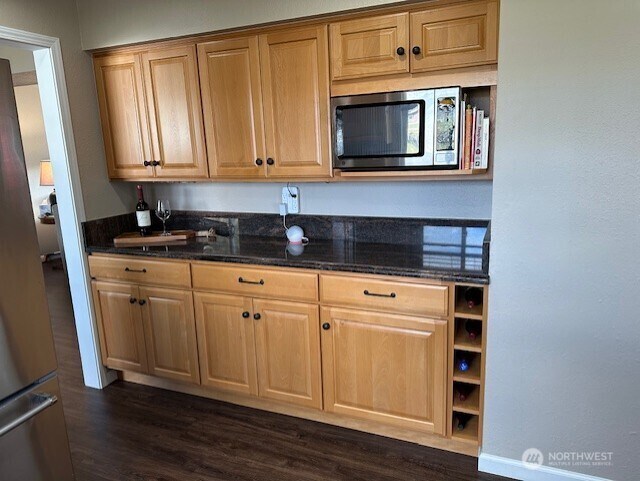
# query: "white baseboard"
513 468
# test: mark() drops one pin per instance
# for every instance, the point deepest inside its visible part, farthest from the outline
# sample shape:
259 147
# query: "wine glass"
163 212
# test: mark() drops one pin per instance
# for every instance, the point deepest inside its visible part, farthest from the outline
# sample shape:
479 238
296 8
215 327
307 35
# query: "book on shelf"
474 138
477 139
468 130
461 140
484 164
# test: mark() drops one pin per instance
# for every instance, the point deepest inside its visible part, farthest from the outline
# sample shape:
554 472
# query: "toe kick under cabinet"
368 352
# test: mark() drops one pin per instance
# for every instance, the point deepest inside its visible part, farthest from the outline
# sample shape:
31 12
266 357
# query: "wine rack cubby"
467 338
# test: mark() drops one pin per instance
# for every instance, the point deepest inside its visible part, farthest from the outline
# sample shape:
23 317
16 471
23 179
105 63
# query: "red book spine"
468 126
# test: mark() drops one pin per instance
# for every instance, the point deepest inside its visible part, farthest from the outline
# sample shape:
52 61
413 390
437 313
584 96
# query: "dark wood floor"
132 432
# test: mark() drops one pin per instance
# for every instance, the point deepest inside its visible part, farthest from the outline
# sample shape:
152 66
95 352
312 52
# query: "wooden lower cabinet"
120 326
321 354
288 352
226 344
385 367
170 333
260 347
147 329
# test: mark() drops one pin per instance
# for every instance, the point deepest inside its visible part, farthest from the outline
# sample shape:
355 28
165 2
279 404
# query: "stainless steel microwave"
417 129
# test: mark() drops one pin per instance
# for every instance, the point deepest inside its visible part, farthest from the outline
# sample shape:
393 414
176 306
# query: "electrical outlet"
291 197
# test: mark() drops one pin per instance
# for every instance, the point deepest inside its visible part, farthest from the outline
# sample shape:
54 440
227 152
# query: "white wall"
563 366
117 22
468 200
34 143
60 19
21 60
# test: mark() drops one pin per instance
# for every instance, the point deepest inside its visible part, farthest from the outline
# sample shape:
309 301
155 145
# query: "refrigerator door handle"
46 400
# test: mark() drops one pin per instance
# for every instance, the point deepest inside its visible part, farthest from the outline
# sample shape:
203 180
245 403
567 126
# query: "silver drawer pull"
244 281
46 400
143 271
367 293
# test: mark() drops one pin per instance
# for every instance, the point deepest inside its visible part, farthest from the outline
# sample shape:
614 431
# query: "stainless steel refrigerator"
33 436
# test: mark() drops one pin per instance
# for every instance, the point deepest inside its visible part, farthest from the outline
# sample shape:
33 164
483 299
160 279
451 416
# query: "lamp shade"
46 173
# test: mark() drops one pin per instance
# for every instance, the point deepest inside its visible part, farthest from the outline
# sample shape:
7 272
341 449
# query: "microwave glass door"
378 131
381 130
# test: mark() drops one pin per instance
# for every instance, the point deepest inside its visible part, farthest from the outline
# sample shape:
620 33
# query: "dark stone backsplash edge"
373 245
383 230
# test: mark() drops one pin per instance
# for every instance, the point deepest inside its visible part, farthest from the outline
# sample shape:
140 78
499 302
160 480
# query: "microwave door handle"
46 400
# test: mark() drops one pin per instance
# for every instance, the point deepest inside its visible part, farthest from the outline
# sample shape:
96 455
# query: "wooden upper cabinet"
370 46
226 344
455 36
170 333
232 107
123 114
385 367
175 112
122 339
288 352
257 107
295 88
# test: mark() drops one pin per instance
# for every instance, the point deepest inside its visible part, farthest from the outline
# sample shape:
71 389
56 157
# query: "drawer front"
374 294
141 271
258 282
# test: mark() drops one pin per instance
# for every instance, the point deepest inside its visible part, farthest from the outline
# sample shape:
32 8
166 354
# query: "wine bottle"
462 392
473 328
464 363
473 297
143 214
462 420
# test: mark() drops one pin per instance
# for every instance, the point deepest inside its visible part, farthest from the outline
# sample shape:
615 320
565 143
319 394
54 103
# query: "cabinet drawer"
140 271
402 297
257 282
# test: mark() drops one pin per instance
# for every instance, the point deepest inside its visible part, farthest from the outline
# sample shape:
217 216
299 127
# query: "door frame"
52 86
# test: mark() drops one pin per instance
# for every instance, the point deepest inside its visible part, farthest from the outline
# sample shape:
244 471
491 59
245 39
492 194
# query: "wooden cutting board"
134 238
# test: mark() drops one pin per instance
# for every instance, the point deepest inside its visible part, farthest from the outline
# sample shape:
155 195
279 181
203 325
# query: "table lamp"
46 179
46 173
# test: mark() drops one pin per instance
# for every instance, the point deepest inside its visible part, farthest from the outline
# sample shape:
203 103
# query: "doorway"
51 85
36 154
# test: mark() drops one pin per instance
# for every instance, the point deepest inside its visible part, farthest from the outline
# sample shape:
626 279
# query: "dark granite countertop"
448 251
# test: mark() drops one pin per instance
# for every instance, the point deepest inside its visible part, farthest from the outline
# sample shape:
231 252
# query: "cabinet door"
120 326
288 351
175 112
226 343
123 114
455 36
232 107
295 87
386 368
170 333
370 46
